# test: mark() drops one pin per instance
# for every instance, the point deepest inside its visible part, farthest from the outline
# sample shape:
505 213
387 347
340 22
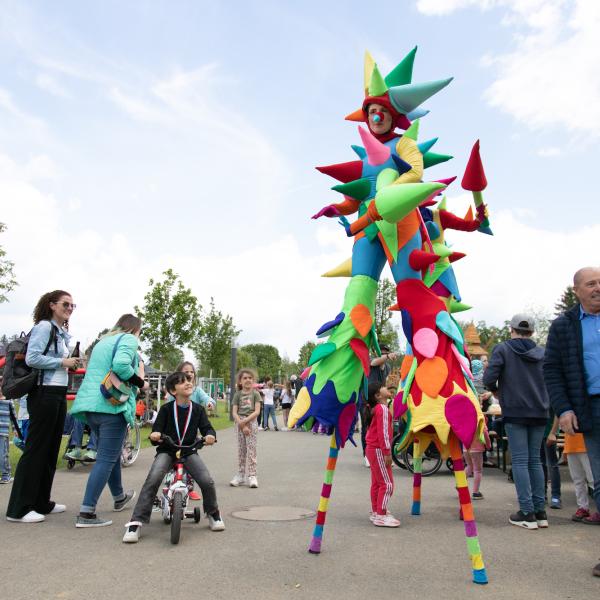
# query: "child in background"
474 460
287 398
581 473
6 411
379 454
246 408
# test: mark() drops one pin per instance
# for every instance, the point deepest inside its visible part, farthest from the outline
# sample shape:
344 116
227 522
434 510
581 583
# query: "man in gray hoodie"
515 375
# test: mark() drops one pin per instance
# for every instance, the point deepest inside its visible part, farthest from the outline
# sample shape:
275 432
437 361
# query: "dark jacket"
515 369
563 368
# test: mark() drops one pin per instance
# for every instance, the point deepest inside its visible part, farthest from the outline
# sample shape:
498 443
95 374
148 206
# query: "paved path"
425 558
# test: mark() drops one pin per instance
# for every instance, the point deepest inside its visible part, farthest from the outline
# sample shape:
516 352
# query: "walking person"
515 373
572 373
48 351
116 352
269 404
287 399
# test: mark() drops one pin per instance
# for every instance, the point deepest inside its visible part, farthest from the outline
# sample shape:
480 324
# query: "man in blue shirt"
572 372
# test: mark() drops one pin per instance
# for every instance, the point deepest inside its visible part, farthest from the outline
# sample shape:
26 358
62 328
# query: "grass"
219 422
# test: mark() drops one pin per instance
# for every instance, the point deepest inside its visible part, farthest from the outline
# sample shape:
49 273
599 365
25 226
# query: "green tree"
171 318
491 335
7 274
567 300
304 354
386 297
245 360
88 350
212 344
266 358
288 368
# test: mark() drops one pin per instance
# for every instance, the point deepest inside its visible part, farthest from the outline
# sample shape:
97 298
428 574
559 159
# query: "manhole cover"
273 513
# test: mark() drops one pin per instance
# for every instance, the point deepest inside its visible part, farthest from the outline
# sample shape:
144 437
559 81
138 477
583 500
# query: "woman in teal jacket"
116 351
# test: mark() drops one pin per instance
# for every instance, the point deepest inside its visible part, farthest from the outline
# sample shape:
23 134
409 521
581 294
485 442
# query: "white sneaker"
373 515
216 523
252 482
367 463
132 533
261 428
30 517
58 508
386 521
238 480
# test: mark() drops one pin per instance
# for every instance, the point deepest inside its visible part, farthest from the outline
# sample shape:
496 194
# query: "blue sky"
145 135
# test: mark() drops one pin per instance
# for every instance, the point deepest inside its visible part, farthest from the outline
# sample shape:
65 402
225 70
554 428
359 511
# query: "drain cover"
273 513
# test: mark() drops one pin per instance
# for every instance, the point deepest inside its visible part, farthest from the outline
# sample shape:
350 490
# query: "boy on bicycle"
181 420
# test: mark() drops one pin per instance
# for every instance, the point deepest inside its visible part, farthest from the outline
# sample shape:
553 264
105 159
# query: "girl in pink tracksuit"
379 454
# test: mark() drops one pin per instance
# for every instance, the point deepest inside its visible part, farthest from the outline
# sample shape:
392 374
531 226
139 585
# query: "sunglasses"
67 305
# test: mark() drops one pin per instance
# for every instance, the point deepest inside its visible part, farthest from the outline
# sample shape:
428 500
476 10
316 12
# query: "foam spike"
358 115
406 98
469 214
359 151
413 131
431 159
401 165
368 71
441 250
456 256
486 230
447 181
427 146
474 178
456 306
419 259
442 204
344 269
377 85
418 113
358 189
396 201
401 74
344 172
377 153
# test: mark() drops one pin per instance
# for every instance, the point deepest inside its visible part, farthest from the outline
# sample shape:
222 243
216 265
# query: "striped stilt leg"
417 468
479 573
315 543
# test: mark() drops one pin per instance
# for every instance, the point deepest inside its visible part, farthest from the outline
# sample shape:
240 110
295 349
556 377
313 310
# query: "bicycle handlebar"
170 443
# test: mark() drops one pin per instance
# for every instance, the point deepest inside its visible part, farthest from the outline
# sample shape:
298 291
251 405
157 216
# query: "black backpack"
19 378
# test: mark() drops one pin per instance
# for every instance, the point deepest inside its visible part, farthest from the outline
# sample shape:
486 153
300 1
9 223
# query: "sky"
141 136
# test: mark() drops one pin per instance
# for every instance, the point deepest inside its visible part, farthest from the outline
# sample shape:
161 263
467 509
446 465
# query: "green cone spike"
377 85
431 158
427 146
442 204
441 250
321 351
456 306
396 201
358 189
406 98
413 131
402 73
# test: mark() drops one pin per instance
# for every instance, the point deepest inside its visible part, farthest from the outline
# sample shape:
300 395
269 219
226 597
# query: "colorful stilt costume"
384 186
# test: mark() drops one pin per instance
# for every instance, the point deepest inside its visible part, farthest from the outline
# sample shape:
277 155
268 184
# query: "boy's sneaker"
580 514
90 456
194 495
74 454
215 522
6 479
555 503
119 505
593 519
30 517
90 520
477 496
58 508
541 518
520 519
386 521
238 480
132 533
252 482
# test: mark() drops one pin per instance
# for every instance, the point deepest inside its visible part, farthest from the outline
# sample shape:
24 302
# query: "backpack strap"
53 338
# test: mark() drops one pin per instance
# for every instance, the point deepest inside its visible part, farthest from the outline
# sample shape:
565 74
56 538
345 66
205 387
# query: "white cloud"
49 84
549 80
549 151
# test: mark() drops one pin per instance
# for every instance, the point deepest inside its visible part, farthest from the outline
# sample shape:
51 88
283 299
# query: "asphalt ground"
426 557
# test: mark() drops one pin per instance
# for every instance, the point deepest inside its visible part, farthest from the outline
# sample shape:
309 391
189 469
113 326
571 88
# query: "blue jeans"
269 409
525 442
110 432
549 459
76 438
592 444
4 458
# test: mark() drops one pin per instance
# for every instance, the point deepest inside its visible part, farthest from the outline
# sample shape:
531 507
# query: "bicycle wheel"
397 451
176 517
431 460
131 445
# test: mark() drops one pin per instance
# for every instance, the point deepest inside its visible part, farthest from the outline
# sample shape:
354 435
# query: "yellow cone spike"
369 64
342 270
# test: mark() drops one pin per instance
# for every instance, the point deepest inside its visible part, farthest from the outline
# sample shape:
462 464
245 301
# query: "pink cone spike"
377 153
446 181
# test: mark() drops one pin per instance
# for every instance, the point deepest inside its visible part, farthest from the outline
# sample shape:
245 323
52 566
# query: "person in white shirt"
269 404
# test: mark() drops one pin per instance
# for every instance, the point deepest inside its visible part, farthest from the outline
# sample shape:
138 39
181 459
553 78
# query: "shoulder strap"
115 346
51 339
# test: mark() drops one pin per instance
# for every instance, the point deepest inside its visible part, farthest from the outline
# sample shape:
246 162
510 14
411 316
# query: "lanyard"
187 423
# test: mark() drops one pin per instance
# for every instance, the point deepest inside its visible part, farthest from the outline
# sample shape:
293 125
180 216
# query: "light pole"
232 372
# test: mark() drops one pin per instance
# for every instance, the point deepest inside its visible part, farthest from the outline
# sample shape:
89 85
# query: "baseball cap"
523 322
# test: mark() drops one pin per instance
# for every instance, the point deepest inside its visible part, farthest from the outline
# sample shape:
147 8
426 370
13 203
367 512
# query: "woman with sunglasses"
47 351
117 351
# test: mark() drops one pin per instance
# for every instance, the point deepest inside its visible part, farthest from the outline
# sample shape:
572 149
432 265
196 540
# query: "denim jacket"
51 362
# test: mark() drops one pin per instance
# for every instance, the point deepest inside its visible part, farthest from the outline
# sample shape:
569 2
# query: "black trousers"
32 485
